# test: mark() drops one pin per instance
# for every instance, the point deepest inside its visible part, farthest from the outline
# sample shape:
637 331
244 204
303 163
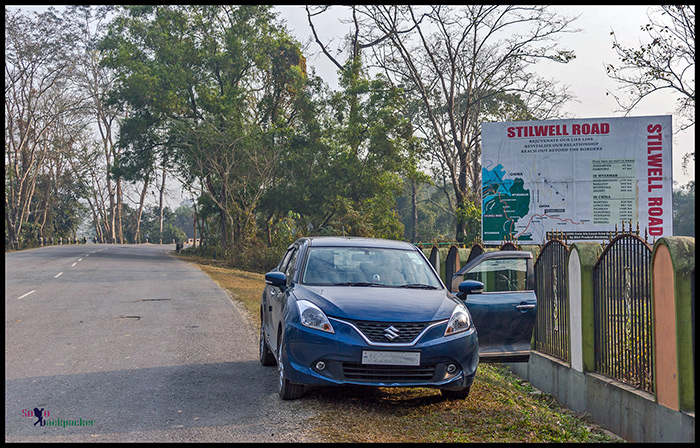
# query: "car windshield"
360 266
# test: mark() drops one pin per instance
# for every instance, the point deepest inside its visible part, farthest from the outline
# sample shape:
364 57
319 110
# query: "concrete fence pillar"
581 259
672 266
442 270
463 255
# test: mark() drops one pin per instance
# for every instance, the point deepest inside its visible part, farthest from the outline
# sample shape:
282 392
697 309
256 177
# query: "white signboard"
577 176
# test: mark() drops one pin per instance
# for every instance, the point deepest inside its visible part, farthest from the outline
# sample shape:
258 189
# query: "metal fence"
623 312
551 286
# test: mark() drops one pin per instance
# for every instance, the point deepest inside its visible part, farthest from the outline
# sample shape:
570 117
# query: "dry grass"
501 407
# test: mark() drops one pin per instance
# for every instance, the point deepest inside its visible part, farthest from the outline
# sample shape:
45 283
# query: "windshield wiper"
357 284
417 286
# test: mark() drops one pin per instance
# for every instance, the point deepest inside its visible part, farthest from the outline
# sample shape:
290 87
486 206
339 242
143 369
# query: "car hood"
379 303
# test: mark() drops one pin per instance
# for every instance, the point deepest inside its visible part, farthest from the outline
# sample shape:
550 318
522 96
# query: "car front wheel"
286 389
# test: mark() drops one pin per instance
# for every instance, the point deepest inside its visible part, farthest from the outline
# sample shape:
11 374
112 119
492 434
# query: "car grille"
388 374
376 331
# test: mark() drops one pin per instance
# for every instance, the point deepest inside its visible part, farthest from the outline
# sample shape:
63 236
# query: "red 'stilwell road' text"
554 130
654 179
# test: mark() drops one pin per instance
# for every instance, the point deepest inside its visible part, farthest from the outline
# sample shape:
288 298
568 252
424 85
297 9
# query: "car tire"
267 358
455 394
285 388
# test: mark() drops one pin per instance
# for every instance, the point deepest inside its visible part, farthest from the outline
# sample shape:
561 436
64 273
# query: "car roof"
353 241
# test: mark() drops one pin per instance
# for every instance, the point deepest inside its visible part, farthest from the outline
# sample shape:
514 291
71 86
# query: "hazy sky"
585 75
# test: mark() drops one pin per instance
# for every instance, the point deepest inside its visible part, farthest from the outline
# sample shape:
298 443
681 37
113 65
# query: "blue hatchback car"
372 312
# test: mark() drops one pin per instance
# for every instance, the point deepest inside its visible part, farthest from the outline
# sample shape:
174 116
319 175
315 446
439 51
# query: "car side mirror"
276 278
470 287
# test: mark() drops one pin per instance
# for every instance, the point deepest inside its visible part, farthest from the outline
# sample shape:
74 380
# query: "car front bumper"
341 355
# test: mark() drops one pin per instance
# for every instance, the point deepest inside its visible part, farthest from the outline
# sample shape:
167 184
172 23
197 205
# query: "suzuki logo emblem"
391 333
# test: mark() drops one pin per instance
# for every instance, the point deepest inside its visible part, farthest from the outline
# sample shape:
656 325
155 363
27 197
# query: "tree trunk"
45 204
96 220
142 199
160 202
120 233
414 212
194 222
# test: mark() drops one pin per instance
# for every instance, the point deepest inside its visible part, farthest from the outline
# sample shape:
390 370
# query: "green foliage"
500 106
173 233
150 224
183 218
684 210
285 231
212 89
469 214
435 220
346 159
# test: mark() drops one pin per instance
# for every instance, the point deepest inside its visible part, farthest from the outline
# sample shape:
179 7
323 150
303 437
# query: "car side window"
289 269
500 275
285 260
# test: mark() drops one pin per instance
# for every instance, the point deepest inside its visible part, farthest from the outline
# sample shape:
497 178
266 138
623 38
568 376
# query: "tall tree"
38 91
344 165
452 59
212 87
352 146
87 25
665 63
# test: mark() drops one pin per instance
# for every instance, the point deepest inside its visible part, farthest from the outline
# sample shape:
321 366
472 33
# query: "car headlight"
459 321
311 316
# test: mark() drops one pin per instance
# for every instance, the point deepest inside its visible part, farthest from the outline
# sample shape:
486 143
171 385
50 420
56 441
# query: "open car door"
504 313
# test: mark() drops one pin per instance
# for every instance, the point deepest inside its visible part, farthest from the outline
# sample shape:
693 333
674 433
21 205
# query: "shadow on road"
160 398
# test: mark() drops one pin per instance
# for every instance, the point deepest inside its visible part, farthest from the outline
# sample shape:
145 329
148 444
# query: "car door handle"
525 306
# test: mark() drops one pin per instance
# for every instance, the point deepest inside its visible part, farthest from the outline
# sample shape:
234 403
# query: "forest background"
105 106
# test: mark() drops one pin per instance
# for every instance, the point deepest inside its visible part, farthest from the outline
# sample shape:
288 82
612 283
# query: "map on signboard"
504 202
516 204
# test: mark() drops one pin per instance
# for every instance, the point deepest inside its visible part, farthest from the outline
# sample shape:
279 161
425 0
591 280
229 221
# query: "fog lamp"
451 368
320 365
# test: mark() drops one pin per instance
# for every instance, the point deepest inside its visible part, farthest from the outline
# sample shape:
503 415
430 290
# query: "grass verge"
501 407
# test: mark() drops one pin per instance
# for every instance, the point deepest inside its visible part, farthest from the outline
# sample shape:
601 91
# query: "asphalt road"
142 345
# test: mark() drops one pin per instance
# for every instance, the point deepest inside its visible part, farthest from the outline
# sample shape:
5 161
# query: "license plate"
391 358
